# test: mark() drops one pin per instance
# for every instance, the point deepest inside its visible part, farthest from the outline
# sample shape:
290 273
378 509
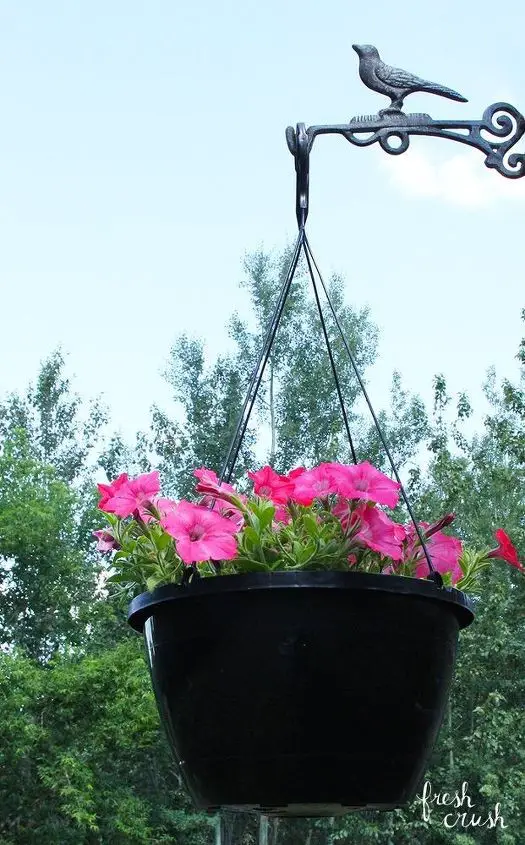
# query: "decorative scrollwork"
499 130
385 137
503 121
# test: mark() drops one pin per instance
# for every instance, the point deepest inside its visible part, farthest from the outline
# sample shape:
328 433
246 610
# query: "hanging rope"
258 371
302 244
310 256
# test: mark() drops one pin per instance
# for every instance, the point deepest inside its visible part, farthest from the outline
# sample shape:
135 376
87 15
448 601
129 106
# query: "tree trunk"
273 447
274 830
263 830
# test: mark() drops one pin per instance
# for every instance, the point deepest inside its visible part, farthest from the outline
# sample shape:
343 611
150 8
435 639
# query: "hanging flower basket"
302 693
300 654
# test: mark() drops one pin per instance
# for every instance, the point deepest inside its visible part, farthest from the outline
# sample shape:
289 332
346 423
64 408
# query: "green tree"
82 758
297 405
298 401
61 432
48 563
209 399
46 579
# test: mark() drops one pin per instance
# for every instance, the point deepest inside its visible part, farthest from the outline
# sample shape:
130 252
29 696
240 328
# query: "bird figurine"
393 82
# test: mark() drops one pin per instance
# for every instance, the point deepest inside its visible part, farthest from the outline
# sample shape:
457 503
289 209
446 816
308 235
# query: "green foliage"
298 400
314 539
297 404
60 432
209 399
48 565
83 759
118 457
45 576
146 557
405 426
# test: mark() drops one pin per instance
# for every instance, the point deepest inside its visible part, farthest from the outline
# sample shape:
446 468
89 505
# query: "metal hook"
299 145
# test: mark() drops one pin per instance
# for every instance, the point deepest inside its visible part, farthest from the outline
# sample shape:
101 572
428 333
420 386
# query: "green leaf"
266 516
252 536
249 564
163 541
120 578
311 525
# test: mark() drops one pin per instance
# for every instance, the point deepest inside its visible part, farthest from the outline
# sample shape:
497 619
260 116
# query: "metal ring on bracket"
384 142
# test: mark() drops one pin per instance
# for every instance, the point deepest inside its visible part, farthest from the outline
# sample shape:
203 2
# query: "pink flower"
165 506
506 550
444 552
108 491
209 483
106 541
448 519
343 509
282 515
314 484
200 534
271 485
378 532
364 481
295 473
224 508
130 496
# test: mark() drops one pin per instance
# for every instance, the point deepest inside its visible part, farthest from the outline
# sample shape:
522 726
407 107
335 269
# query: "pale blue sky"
142 153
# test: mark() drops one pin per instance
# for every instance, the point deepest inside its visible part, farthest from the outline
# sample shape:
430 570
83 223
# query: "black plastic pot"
306 693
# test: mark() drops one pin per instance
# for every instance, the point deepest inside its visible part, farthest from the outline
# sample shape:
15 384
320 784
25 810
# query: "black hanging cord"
302 243
258 371
329 349
436 576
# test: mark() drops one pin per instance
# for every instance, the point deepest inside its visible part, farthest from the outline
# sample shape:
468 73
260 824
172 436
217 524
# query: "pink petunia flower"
446 520
108 491
343 510
224 508
282 515
106 541
133 495
200 533
314 484
378 532
444 552
364 481
165 506
271 485
209 483
506 550
295 473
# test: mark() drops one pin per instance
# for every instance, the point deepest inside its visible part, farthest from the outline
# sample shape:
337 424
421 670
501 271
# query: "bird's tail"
434 88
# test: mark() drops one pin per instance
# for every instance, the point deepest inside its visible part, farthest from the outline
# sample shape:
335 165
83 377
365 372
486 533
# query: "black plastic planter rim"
144 605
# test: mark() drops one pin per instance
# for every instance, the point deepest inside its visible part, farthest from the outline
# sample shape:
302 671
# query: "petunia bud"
448 519
106 541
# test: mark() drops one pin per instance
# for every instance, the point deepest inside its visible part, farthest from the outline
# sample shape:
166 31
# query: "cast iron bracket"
500 128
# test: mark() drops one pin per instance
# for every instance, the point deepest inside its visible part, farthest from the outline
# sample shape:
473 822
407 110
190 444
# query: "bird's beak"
357 48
